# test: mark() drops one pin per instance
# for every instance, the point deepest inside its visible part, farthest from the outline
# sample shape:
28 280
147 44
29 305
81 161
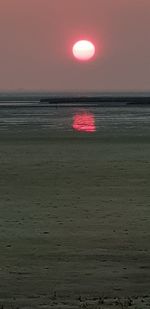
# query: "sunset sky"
36 38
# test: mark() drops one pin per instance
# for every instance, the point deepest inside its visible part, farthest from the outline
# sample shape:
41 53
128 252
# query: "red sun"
83 50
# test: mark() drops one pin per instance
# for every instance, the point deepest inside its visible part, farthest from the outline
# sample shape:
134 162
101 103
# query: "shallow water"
122 120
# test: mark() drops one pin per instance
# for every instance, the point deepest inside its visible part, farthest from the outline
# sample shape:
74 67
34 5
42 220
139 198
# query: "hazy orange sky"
36 38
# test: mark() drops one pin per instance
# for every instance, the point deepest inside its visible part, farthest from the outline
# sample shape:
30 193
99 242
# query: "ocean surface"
21 115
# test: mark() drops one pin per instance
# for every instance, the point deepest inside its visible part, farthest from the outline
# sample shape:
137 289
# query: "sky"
36 38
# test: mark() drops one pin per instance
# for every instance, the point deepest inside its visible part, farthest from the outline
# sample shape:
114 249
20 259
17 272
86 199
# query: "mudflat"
74 221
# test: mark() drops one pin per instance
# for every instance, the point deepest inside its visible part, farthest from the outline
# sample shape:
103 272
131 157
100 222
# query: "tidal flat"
74 220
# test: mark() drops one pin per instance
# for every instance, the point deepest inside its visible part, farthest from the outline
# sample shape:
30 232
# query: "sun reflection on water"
84 122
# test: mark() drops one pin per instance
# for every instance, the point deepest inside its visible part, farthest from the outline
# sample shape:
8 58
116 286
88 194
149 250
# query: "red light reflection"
84 122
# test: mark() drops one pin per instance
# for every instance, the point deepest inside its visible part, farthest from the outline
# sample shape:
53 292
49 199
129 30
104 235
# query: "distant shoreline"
125 100
74 101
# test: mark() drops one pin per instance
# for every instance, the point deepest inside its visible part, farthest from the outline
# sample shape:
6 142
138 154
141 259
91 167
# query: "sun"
83 50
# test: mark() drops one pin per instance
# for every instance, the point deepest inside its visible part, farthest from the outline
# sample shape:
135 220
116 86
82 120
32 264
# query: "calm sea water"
124 120
16 113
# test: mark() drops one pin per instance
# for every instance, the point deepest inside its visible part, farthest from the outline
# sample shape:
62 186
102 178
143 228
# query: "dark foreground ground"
74 221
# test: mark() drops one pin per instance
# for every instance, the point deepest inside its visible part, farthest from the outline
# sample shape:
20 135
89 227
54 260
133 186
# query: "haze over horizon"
37 38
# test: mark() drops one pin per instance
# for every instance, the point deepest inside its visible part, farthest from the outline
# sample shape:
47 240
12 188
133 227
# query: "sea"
23 111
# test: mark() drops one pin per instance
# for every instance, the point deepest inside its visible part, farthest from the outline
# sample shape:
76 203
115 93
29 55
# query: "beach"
74 221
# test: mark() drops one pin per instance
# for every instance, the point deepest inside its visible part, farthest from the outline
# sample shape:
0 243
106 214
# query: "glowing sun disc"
83 50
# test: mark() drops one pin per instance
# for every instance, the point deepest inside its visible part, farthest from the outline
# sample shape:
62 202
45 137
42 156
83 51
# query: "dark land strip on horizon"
79 101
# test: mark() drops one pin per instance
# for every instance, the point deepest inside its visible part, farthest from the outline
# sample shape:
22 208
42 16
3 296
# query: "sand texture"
74 222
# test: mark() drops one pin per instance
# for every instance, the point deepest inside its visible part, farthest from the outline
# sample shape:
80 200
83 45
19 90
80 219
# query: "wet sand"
74 223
